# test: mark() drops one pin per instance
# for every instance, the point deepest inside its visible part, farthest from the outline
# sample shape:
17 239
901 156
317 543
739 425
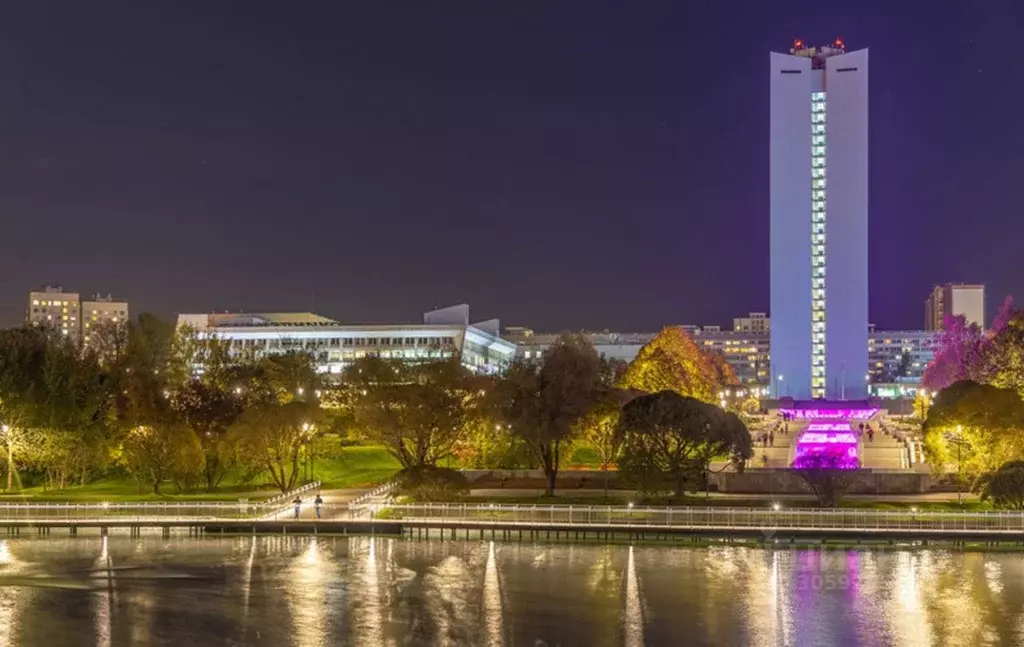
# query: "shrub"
431 483
1005 486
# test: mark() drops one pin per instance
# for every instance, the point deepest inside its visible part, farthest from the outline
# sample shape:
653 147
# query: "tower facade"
819 222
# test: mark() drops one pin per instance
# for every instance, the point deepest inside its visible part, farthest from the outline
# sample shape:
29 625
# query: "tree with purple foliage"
967 352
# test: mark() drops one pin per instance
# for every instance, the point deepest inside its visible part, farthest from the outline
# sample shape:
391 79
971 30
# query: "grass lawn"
355 467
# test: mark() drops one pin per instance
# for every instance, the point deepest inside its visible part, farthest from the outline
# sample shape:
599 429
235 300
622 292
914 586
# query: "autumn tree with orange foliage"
673 361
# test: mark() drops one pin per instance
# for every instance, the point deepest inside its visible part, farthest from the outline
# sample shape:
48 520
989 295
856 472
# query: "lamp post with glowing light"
959 443
10 455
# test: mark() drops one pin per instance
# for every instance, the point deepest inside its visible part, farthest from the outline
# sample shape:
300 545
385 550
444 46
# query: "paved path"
332 499
927 497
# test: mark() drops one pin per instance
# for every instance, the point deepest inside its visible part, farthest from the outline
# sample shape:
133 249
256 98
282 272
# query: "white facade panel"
847 229
969 301
790 237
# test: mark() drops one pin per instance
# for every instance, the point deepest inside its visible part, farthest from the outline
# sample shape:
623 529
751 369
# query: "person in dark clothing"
298 506
771 439
318 502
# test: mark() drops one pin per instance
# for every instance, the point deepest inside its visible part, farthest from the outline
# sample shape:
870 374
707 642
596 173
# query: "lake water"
356 591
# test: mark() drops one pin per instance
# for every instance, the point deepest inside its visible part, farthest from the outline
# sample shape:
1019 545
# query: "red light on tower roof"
840 43
798 44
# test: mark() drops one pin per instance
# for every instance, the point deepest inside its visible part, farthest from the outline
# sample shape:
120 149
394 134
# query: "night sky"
555 164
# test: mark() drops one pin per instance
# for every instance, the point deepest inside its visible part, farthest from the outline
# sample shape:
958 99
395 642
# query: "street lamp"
959 443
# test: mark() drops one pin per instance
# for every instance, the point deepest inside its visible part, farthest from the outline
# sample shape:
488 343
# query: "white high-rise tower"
819 222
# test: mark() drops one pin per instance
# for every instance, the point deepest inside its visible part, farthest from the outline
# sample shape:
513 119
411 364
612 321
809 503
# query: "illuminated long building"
334 345
819 222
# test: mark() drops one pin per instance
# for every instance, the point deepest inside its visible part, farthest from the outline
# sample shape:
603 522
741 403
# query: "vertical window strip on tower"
818 236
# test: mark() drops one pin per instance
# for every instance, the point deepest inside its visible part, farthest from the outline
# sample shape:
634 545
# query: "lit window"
35 302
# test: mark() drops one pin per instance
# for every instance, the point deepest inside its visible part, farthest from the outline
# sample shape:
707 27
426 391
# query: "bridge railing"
283 504
126 511
700 517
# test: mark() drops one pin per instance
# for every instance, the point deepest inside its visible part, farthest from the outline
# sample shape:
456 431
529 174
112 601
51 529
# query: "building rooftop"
256 319
818 54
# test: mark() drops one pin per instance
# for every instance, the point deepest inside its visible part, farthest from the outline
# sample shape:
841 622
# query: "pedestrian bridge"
376 515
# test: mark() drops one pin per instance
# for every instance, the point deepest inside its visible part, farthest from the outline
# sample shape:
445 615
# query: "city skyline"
590 175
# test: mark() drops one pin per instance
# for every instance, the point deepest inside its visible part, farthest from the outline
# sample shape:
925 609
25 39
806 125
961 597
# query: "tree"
1005 365
209 411
1005 486
977 427
828 476
419 412
270 437
669 436
673 361
967 352
22 357
71 434
542 404
151 455
599 428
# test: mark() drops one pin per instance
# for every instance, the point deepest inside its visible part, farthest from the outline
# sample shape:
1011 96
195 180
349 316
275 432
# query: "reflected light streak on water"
11 597
634 616
308 579
247 584
493 613
103 598
907 615
368 620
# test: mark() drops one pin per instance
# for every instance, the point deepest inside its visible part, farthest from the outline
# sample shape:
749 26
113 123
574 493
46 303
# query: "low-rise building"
100 311
334 344
897 357
54 308
756 322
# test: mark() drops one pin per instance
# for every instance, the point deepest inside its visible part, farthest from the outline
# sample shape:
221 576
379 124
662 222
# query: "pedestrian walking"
318 502
298 506
771 439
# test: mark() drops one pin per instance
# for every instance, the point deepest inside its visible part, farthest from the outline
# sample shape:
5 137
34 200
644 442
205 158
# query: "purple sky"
591 164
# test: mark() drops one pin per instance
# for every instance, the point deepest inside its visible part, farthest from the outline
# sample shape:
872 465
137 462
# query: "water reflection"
12 598
103 597
310 582
493 613
633 618
367 608
361 591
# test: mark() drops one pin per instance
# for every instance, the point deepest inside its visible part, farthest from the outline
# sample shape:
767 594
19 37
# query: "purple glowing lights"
826 445
829 414
836 456
812 438
828 426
